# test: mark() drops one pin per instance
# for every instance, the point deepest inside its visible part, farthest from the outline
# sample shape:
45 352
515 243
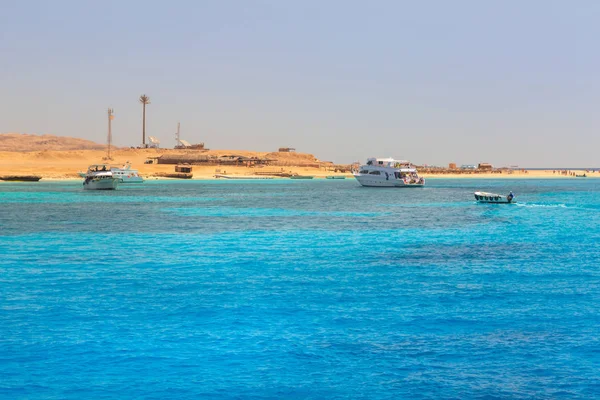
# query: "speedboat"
388 172
100 177
485 197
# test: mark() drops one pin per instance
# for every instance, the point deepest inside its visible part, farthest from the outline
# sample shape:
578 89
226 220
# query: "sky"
507 82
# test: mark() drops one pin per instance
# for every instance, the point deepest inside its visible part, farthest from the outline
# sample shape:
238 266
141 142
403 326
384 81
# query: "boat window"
375 173
364 171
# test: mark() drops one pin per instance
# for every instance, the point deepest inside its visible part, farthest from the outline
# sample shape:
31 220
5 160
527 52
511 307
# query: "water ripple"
300 290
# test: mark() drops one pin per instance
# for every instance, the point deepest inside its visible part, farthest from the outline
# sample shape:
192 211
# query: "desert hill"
25 142
62 157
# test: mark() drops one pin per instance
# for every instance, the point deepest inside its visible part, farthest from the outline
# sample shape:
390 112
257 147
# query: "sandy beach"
56 164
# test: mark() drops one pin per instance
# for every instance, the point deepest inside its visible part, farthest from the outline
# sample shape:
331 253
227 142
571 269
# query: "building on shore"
183 168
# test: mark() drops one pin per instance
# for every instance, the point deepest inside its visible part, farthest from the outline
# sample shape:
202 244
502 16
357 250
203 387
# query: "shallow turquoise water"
300 289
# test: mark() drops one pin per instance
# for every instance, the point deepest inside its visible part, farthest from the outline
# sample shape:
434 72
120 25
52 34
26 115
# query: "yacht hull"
381 181
133 179
101 184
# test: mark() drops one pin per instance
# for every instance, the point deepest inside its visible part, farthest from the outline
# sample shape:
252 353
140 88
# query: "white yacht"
388 172
100 177
126 174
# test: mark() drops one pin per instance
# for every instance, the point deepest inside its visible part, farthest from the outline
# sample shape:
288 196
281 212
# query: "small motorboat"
485 197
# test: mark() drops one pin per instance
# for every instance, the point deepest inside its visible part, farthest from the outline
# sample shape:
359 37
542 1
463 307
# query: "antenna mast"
109 139
177 135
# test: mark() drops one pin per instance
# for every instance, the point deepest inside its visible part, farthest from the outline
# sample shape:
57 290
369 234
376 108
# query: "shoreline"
319 178
65 165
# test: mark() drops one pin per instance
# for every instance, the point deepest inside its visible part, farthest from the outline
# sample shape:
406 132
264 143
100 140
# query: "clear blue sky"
507 82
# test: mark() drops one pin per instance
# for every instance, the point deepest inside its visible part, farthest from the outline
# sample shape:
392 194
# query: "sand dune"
66 163
27 142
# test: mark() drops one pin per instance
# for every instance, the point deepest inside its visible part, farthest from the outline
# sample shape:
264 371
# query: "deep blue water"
300 289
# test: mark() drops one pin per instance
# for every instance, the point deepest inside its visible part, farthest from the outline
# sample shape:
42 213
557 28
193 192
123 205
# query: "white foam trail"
533 205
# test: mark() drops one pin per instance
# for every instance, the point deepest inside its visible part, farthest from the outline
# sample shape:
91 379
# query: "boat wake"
581 207
538 205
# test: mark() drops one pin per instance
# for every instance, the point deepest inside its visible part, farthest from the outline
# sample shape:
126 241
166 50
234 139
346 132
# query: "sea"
300 289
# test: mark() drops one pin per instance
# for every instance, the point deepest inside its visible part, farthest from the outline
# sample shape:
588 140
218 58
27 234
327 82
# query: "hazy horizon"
510 83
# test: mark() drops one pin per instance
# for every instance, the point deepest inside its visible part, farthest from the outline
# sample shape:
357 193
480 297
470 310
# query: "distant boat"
126 174
581 176
301 177
485 197
20 178
241 177
335 177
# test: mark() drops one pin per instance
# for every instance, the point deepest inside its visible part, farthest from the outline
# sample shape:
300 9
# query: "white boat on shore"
100 177
485 197
388 172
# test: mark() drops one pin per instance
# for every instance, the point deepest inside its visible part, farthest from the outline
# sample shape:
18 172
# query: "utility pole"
145 100
110 118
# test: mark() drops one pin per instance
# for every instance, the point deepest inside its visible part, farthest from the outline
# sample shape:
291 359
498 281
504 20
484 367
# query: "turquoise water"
300 289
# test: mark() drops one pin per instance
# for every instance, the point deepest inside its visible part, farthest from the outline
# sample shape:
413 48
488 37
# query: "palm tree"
144 100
